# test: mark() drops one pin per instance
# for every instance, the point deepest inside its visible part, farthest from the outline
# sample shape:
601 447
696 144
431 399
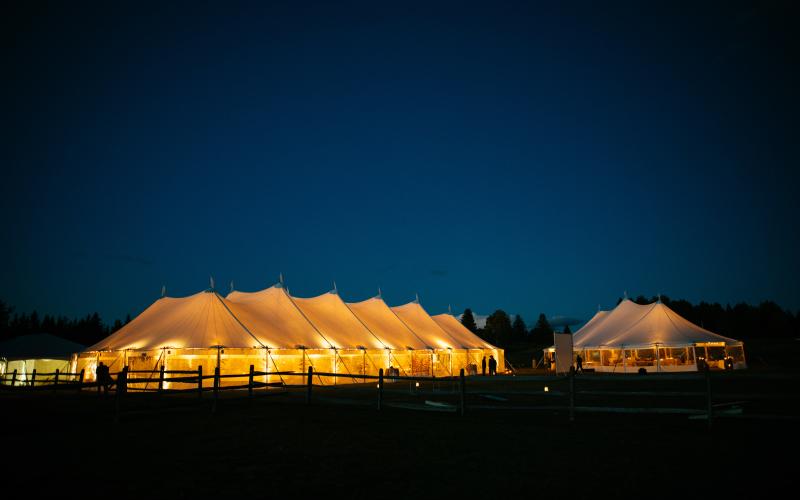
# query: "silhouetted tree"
468 320
498 328
519 329
542 332
117 325
566 329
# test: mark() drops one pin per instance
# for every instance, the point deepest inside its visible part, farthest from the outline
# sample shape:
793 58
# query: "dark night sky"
536 158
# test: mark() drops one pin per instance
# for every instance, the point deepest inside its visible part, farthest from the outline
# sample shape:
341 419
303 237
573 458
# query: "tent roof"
201 320
460 333
39 346
273 317
631 324
418 320
336 322
385 324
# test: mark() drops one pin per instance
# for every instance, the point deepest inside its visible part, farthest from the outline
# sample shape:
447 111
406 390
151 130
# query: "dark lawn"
175 447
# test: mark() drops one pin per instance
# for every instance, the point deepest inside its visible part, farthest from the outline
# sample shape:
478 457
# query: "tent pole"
658 359
164 365
334 365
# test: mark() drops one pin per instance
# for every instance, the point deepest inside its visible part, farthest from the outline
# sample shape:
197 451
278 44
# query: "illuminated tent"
42 352
475 347
653 337
276 332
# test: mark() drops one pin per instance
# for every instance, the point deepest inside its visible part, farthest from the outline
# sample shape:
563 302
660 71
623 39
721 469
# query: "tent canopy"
418 320
201 320
385 324
38 345
465 338
634 325
274 319
336 322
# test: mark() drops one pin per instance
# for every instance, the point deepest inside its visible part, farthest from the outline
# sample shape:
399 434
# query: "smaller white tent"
652 337
42 352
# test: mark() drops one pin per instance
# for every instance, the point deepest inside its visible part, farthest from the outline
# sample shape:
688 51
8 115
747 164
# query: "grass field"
341 446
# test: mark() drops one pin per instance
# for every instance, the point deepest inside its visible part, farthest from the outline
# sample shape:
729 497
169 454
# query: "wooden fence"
559 393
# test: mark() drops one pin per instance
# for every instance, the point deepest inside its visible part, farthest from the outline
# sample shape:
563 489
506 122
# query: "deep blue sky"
535 158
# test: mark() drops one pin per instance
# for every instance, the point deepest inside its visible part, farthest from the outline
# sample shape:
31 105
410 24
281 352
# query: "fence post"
309 384
14 378
709 408
200 381
380 388
250 383
463 391
161 380
122 384
216 389
55 382
33 378
571 395
80 380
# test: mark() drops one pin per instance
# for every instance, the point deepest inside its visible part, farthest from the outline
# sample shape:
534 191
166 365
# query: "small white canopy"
634 325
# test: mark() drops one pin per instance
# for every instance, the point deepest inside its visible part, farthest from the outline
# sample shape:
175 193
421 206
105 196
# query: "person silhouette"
483 366
578 363
102 375
492 365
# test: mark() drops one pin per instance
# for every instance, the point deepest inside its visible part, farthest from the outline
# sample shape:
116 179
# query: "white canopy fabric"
201 320
634 325
336 322
385 324
272 316
460 333
418 320
38 345
274 319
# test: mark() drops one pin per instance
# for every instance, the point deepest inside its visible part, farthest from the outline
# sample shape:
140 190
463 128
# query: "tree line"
85 330
741 321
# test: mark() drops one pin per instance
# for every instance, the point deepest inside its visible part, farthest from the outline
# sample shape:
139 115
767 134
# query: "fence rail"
567 398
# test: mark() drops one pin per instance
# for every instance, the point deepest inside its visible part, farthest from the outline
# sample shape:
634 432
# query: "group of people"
492 365
103 377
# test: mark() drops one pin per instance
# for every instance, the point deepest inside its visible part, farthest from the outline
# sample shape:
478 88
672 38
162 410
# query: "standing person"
578 363
101 374
483 366
492 365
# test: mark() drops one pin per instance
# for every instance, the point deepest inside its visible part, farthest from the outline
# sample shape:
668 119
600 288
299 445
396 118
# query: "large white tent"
653 337
277 332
